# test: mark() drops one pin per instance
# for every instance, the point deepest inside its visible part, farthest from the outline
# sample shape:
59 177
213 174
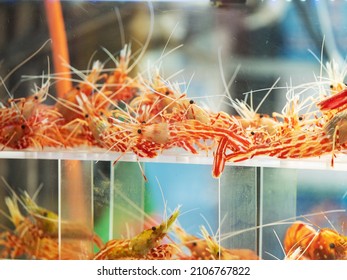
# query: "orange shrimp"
67 105
207 248
155 97
252 121
119 85
98 129
321 244
21 109
39 131
28 122
160 99
197 247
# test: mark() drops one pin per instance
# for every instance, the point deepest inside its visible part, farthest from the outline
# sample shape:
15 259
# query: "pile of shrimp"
119 112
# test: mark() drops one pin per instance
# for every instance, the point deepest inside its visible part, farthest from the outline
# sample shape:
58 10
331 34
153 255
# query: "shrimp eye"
167 92
252 132
331 86
261 116
332 245
143 122
139 131
45 214
23 126
101 113
300 118
195 244
154 228
77 87
191 101
36 97
86 116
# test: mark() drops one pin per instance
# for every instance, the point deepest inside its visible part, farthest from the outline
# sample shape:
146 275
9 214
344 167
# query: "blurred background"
256 42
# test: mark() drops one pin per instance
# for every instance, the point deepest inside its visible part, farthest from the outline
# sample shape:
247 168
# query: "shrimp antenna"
207 223
163 198
330 223
166 44
36 193
233 77
26 60
141 169
220 224
6 89
14 194
266 95
318 59
189 83
309 244
321 59
272 255
226 88
90 62
121 26
279 241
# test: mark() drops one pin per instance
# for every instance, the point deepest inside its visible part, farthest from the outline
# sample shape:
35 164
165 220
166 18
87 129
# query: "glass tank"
173 130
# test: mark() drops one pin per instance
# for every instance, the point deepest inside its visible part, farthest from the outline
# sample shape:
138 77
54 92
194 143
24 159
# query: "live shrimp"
321 244
27 240
37 232
141 246
298 251
207 248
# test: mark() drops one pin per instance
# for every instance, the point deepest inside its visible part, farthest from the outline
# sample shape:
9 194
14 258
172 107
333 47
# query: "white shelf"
179 157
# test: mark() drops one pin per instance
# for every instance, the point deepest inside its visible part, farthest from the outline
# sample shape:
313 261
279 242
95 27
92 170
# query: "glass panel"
103 193
189 186
238 207
278 196
76 209
127 200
